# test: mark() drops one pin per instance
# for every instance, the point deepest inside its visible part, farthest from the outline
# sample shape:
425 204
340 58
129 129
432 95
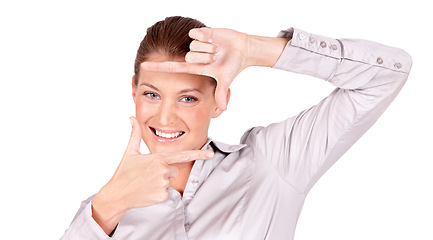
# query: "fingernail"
211 154
132 122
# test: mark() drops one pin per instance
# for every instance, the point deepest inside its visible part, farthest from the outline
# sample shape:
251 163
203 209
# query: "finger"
166 183
203 58
197 46
203 34
172 172
188 156
174 67
135 140
169 67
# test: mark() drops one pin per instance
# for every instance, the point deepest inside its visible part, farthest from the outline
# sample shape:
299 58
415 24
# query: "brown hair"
168 37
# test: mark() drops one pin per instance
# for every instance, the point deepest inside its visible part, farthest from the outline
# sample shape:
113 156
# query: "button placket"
195 181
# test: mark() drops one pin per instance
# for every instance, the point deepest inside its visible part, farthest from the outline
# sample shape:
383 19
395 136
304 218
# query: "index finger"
171 67
188 156
175 67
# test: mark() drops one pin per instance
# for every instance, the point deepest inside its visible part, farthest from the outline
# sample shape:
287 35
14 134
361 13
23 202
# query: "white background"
65 100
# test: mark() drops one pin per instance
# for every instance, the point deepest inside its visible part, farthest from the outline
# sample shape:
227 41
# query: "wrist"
106 212
264 51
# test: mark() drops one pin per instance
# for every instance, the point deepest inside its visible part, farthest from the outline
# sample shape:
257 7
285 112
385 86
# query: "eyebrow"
149 85
190 90
180 92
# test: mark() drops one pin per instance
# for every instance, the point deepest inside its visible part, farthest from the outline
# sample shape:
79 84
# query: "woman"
192 187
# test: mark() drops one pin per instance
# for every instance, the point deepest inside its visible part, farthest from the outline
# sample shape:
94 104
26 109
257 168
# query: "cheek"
198 118
142 111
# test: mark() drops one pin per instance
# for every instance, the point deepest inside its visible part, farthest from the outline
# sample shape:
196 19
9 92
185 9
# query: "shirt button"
301 36
398 65
323 44
312 40
379 60
195 181
334 47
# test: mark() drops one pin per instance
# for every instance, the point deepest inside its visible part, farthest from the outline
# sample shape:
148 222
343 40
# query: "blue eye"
189 99
151 95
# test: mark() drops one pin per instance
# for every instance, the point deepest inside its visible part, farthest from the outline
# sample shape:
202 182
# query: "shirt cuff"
309 54
85 227
320 56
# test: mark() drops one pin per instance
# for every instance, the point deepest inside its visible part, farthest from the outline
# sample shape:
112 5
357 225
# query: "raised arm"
368 76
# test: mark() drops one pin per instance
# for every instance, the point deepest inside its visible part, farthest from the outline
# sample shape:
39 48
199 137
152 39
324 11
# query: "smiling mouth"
171 135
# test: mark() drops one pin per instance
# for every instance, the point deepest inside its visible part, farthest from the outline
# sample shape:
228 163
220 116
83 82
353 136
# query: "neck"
179 182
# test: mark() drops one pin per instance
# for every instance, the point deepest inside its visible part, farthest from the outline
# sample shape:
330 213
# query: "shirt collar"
223 147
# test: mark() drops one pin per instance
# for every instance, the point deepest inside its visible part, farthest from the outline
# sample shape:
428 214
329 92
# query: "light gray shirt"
256 190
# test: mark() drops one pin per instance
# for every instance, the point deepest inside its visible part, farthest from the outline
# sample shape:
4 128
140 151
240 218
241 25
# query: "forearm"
264 51
368 77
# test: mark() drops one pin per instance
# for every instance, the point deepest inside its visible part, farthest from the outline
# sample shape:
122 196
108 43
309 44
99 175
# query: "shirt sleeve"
83 226
368 77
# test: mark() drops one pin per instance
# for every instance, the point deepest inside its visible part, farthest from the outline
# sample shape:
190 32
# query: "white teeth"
167 135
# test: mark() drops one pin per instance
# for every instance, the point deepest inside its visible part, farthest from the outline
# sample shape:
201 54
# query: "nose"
167 114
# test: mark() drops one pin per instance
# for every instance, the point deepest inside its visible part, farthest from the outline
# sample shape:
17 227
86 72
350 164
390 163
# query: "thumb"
221 96
135 140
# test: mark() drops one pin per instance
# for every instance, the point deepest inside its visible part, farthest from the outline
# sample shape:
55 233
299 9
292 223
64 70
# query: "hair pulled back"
167 37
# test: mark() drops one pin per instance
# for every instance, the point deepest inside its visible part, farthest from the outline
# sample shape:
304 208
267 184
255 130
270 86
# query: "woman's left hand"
215 52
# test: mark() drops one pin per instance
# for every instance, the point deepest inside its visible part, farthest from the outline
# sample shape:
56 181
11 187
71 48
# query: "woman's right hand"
140 180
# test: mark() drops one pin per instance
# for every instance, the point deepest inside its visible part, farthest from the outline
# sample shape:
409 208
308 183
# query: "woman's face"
174 109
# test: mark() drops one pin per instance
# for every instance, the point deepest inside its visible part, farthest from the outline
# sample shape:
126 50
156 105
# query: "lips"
167 134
